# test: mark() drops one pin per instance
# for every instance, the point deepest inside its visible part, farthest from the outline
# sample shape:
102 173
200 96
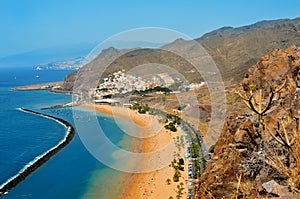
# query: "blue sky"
34 24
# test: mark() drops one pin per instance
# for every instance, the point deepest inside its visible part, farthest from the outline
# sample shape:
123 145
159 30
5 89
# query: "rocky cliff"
258 152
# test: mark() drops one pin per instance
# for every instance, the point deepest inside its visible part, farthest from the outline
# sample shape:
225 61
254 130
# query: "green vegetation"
175 120
142 93
204 163
107 96
176 176
197 169
168 181
179 143
195 148
251 87
179 190
171 127
181 161
255 103
140 108
212 148
165 90
181 164
178 165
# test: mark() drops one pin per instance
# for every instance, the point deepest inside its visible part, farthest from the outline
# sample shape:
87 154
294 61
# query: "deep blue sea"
72 172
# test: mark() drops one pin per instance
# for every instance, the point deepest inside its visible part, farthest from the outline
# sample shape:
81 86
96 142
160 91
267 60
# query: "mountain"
47 55
257 153
233 50
69 64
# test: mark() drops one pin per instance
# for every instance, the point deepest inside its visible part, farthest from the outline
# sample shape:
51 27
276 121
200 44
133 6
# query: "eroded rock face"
250 144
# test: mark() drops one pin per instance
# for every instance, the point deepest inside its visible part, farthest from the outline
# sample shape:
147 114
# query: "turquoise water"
71 172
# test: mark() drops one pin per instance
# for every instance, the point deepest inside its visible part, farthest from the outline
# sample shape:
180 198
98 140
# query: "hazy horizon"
31 25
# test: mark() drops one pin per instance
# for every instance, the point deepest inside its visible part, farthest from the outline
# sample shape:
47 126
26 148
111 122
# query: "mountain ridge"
257 25
47 55
233 50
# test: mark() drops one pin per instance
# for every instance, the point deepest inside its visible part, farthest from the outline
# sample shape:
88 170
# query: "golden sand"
151 184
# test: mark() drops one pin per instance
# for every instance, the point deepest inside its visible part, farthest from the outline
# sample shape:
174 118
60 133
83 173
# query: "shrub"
142 111
176 176
168 181
171 127
181 161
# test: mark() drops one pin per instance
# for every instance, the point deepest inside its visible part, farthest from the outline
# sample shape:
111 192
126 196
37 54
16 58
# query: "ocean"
70 174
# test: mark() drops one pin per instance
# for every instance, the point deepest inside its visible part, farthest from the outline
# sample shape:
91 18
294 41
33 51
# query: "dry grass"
243 188
294 170
288 164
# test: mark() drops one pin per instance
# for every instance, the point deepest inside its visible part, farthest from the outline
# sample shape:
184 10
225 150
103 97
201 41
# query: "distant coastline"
40 160
51 86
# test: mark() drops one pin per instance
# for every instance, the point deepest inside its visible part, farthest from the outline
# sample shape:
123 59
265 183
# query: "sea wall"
40 160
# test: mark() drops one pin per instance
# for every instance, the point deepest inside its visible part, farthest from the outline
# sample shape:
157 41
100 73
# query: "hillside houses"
121 82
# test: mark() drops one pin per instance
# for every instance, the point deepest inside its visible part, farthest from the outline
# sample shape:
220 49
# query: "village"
121 83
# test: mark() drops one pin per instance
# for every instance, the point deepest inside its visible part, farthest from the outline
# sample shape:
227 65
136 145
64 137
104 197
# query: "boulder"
275 189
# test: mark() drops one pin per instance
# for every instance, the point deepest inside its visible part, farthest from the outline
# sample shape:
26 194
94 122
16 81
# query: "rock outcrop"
259 145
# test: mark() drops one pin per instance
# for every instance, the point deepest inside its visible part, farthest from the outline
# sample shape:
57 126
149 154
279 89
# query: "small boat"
37 76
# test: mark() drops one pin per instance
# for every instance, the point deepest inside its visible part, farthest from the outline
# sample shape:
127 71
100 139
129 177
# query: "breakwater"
41 159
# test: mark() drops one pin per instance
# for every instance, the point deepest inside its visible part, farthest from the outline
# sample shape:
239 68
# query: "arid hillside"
258 152
233 50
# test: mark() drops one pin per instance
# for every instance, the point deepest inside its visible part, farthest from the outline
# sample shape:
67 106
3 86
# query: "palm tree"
168 181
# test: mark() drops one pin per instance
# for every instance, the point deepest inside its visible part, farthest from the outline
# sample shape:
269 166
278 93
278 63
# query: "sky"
28 25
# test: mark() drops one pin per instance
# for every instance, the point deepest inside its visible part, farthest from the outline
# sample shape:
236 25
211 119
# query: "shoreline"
54 87
41 159
42 86
147 184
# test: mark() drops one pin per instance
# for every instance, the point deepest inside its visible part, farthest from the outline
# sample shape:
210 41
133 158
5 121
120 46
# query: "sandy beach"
151 184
